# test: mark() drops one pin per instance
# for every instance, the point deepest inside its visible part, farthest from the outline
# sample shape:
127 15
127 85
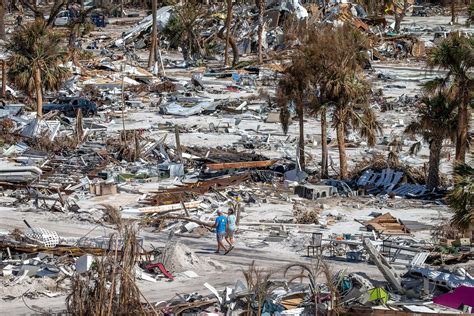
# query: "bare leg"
218 245
222 245
229 241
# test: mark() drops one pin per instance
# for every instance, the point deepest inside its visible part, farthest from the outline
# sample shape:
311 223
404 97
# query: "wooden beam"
170 207
241 165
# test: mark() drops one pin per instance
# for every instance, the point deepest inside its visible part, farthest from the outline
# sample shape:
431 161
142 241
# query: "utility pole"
124 136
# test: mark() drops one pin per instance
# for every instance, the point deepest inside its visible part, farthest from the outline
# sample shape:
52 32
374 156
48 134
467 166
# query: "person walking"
220 225
231 220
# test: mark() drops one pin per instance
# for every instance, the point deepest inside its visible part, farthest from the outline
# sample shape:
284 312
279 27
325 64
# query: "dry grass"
60 144
7 135
315 271
109 287
259 286
128 147
305 214
113 216
445 230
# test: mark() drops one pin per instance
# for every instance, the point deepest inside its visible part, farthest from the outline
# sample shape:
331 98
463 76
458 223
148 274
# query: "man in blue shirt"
220 225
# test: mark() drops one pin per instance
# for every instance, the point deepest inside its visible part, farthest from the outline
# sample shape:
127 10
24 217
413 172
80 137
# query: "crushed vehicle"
69 106
67 17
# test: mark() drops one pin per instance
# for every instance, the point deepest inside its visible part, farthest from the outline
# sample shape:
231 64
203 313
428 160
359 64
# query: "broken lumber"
184 218
169 207
241 165
383 265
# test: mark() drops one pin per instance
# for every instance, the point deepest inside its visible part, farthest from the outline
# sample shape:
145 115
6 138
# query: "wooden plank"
241 165
169 207
384 266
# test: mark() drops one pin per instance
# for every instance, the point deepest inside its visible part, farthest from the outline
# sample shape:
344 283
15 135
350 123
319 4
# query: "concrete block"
189 227
83 263
273 117
313 192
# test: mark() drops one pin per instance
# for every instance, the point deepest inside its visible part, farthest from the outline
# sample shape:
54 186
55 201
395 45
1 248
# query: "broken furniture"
103 188
316 242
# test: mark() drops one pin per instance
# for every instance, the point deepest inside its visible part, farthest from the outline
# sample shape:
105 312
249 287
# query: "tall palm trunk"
261 12
227 34
341 144
39 94
398 16
151 57
453 12
232 44
2 20
324 144
301 140
461 137
235 51
398 22
433 168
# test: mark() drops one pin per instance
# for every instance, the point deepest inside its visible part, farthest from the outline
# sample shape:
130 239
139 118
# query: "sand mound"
178 258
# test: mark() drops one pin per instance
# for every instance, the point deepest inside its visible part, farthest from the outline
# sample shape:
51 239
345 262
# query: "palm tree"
182 29
35 61
456 55
327 72
436 122
351 110
295 87
461 199
2 20
336 56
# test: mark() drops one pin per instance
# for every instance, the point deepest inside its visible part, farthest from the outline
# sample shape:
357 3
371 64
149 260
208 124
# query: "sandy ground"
273 256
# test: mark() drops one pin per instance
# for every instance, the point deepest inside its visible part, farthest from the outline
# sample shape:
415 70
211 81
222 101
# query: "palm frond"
34 47
461 198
